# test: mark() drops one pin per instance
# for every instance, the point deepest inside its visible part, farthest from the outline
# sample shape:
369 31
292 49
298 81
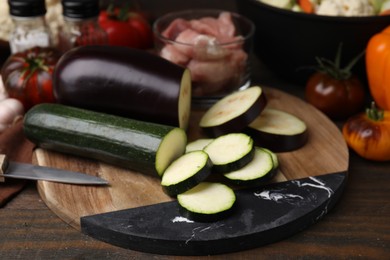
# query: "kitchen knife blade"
16 170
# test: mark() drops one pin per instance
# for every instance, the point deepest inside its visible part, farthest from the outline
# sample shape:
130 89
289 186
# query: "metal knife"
26 171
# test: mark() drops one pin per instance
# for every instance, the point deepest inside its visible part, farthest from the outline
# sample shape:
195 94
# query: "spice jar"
30 28
80 25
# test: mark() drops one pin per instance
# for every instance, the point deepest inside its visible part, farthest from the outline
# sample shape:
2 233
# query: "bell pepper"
378 68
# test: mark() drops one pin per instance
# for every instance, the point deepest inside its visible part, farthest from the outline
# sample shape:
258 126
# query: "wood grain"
325 152
17 148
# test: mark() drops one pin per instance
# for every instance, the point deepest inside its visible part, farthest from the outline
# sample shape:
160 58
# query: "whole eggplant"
123 81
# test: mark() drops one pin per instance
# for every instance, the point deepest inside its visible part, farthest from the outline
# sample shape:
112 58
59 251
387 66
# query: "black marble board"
263 215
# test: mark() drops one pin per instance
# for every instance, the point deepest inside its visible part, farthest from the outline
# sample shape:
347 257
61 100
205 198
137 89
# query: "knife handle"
3 166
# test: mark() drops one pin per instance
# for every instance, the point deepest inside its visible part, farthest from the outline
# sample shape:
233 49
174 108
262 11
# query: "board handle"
3 166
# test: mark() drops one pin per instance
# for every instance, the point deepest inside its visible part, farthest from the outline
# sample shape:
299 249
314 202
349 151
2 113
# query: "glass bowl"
215 45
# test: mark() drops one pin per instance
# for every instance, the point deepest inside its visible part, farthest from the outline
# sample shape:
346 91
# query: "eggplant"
126 82
278 131
234 112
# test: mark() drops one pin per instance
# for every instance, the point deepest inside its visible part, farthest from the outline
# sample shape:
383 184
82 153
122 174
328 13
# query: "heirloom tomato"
27 75
334 90
126 28
368 134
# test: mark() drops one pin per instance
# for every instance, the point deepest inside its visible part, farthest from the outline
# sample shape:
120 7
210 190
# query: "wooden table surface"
358 227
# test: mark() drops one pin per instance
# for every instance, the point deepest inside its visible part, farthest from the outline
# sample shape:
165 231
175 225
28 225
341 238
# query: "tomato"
126 28
138 22
27 76
368 134
335 91
336 98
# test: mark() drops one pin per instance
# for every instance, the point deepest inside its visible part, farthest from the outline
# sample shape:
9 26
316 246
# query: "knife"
16 170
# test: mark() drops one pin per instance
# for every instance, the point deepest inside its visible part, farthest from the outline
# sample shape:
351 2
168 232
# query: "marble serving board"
134 213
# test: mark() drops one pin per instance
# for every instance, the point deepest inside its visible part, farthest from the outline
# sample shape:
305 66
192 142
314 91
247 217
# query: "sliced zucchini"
258 171
207 202
234 112
230 152
198 144
274 157
186 172
278 131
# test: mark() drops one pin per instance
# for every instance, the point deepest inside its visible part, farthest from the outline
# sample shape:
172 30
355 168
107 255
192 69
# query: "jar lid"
27 8
80 9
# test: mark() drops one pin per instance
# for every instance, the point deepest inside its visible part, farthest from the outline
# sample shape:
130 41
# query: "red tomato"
27 76
337 98
143 27
125 28
335 90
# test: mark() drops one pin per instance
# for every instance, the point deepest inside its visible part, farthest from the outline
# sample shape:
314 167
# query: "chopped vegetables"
334 7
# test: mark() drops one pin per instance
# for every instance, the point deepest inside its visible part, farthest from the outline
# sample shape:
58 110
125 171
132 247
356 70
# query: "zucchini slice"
233 112
141 146
274 157
261 169
207 202
278 131
198 144
230 152
186 172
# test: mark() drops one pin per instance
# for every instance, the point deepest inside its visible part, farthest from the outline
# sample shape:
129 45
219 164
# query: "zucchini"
141 146
260 170
230 152
233 112
207 202
125 82
186 172
275 160
198 144
278 131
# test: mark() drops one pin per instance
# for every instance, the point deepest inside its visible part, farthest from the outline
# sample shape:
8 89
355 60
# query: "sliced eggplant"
186 172
234 112
230 152
260 170
207 202
278 131
198 144
126 82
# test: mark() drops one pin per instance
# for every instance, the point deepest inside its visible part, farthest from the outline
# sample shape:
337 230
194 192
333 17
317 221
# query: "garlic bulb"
10 111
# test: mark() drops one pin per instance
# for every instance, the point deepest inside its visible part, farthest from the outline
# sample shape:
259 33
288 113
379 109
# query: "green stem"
374 113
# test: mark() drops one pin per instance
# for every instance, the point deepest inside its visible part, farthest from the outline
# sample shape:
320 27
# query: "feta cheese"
345 8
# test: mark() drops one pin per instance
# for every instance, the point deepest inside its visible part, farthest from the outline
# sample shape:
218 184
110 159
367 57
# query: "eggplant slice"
278 131
233 112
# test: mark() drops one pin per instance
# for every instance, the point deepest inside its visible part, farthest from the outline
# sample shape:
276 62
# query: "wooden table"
358 227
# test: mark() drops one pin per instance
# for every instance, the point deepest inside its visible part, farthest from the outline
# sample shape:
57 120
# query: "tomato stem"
121 14
333 68
374 113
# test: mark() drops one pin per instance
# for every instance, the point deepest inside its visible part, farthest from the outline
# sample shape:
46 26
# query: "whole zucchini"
126 82
141 146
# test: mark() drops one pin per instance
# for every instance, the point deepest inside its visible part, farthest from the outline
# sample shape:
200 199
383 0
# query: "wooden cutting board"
105 211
